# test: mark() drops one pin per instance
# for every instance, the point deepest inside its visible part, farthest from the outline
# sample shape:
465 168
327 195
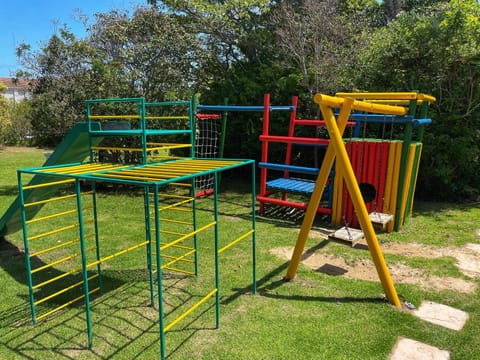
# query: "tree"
147 54
4 113
435 50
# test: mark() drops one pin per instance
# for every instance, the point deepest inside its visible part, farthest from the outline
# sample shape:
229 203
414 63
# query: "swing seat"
380 219
347 235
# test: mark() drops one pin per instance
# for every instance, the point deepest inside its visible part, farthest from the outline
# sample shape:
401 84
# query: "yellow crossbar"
176 221
110 257
175 260
38 302
379 95
177 204
337 102
203 228
59 261
66 304
58 198
56 231
179 258
53 183
66 243
177 270
235 241
49 281
186 313
53 216
108 117
171 117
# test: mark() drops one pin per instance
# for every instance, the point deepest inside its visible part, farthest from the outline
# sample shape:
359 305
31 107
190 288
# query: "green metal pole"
148 236
84 262
194 220
25 244
142 111
97 242
159 274
254 245
217 277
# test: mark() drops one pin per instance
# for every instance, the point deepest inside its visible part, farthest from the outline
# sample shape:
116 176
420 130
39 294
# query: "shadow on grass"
123 320
275 279
9 190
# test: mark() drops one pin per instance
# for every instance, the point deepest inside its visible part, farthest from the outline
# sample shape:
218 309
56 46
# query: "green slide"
73 148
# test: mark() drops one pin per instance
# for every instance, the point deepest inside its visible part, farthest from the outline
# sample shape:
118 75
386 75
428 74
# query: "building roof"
16 83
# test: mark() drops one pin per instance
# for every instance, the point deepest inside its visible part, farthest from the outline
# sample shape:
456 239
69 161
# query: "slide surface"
73 148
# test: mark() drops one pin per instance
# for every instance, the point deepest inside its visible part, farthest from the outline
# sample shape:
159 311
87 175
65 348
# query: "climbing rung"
347 235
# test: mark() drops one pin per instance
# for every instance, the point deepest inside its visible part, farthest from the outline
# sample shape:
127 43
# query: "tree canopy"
172 49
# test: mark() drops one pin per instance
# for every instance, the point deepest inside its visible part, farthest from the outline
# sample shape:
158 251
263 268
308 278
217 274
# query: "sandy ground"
467 261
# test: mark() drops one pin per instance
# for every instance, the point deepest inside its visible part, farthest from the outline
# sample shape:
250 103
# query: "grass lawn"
334 310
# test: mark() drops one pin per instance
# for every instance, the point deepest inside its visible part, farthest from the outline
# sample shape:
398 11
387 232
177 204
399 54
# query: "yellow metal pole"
317 194
349 176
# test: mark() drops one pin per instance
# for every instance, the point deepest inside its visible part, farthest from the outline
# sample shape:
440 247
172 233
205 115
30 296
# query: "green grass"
318 316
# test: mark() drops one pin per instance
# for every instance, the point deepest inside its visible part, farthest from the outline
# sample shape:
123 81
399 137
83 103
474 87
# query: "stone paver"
408 349
442 315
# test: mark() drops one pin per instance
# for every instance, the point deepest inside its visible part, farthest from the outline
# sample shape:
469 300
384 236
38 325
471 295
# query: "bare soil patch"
468 262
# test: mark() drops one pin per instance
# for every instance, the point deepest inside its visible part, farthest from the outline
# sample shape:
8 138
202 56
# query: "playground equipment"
153 145
384 151
336 151
73 148
277 180
386 165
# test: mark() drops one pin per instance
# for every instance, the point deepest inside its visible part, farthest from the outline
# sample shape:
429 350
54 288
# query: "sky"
33 22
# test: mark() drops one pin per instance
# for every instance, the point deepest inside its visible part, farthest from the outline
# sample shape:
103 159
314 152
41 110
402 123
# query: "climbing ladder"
293 179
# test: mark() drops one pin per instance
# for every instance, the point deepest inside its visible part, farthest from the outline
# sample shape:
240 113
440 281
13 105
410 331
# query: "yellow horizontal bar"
170 232
178 270
110 257
171 117
336 102
426 97
56 231
178 259
186 313
235 241
49 281
176 221
183 247
38 302
379 95
48 217
177 204
164 247
53 183
111 148
65 305
67 243
59 261
107 117
173 196
58 198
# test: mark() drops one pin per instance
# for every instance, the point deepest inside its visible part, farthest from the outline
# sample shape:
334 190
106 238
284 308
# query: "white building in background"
18 89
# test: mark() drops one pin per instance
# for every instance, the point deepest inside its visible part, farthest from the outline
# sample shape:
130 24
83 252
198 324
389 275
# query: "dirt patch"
400 272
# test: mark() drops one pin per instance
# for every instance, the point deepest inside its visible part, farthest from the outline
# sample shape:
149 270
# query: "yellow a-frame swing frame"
336 150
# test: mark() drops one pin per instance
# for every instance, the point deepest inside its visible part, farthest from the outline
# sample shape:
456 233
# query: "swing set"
337 154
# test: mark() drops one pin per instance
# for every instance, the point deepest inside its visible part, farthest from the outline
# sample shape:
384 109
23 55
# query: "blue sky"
32 22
